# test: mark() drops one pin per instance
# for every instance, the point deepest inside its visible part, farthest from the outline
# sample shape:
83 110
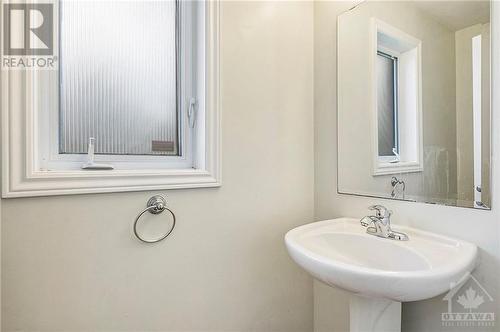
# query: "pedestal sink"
381 273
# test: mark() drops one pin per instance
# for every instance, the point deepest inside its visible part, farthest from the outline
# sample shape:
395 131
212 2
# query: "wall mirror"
414 101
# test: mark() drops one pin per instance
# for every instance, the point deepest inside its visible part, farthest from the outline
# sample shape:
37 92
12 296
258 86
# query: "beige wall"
480 227
72 264
438 180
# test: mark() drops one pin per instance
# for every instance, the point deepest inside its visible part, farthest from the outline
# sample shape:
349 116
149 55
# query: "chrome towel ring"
156 205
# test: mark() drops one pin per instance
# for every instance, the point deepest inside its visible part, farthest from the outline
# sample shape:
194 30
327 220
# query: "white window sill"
50 183
385 168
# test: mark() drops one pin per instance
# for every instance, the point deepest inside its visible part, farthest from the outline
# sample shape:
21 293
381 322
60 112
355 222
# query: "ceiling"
457 15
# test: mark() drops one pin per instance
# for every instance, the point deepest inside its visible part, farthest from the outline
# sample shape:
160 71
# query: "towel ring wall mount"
155 205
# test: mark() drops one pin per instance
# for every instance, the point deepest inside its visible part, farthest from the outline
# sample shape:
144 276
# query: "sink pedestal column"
374 314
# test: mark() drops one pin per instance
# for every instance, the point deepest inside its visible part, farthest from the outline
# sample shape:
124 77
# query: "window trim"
22 178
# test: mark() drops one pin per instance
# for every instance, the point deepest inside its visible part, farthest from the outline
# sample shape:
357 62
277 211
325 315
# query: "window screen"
118 77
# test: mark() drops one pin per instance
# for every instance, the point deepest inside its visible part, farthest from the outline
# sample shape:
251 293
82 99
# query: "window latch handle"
91 164
192 112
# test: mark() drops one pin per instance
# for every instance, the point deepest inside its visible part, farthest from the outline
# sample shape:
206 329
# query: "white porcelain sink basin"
340 253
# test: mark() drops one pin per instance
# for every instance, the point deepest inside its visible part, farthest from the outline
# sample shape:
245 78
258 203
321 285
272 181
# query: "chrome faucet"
395 182
380 224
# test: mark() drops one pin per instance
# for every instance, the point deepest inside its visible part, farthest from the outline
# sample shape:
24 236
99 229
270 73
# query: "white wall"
465 148
486 116
72 264
480 227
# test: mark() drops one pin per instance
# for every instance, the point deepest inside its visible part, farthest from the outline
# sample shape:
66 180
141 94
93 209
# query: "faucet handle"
381 211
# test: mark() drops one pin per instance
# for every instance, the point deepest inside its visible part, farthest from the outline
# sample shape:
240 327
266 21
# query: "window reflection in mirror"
397 85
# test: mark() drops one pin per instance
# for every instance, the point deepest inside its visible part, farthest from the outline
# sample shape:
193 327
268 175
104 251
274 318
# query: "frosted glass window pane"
118 77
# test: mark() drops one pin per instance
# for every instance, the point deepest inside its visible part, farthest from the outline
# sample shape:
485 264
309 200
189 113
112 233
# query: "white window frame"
382 165
32 166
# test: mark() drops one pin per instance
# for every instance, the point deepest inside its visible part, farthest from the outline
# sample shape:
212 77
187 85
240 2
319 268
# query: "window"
397 80
132 106
131 95
123 92
387 103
